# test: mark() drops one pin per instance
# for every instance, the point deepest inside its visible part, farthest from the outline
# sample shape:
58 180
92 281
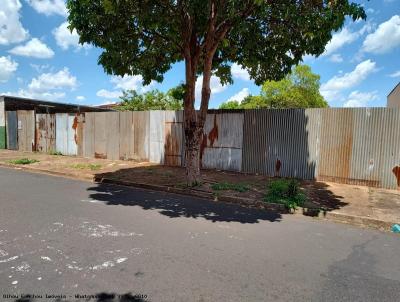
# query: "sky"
40 58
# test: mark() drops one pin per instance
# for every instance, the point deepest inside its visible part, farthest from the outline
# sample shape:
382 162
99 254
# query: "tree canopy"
152 100
298 89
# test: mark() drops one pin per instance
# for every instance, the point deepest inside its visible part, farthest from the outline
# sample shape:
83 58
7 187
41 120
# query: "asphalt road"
65 237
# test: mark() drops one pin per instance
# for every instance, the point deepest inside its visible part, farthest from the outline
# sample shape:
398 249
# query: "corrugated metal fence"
355 146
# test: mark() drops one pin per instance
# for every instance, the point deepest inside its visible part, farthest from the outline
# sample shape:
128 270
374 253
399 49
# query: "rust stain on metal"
213 135
100 155
203 146
396 172
75 127
278 166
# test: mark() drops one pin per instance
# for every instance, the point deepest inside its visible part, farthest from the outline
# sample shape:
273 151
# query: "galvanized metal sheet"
126 135
26 130
2 124
173 138
88 135
141 126
12 130
112 135
157 125
100 135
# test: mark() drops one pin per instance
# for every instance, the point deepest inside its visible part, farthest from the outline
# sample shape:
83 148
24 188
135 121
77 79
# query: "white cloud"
395 74
7 68
80 98
65 38
385 38
336 58
331 89
34 48
106 94
49 86
49 7
124 83
352 78
240 96
11 29
215 85
51 81
239 73
131 83
360 99
345 36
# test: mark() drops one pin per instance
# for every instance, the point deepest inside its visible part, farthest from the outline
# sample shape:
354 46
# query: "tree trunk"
193 133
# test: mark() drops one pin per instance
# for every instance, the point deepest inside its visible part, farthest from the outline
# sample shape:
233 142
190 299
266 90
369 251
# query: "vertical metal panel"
45 132
2 124
223 140
88 134
173 138
112 135
72 137
157 125
126 136
26 130
100 135
12 130
141 126
62 133
278 143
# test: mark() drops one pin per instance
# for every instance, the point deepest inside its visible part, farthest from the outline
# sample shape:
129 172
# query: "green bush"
286 192
230 186
23 161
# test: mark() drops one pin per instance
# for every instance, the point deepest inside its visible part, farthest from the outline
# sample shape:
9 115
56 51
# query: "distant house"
393 99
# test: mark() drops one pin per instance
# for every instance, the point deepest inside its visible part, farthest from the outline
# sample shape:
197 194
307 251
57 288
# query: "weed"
23 161
286 192
230 186
54 152
86 166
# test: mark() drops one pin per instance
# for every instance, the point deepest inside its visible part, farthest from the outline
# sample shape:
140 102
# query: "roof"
398 85
13 103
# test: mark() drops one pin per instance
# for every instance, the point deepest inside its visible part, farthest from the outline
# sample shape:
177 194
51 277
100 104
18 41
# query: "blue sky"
40 58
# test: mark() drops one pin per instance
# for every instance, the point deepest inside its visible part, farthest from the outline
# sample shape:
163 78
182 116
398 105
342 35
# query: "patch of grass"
92 167
286 192
23 161
54 152
230 186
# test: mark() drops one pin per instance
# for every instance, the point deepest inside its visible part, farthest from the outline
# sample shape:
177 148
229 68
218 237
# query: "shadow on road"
175 206
101 297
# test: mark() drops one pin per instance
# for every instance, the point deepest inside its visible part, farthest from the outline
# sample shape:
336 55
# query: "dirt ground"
354 200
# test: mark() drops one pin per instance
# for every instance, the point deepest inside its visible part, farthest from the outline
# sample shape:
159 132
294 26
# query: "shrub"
23 161
286 192
229 186
86 166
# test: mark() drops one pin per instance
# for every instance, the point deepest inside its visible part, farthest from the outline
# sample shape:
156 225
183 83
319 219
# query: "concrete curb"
312 212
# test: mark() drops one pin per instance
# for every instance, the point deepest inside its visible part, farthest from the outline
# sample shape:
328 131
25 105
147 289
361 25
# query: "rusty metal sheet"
222 141
45 133
173 138
26 130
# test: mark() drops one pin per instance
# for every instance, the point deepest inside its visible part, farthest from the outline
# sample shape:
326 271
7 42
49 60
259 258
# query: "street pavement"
77 240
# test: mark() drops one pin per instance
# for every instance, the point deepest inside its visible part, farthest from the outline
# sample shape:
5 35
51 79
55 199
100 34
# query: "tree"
152 100
298 89
266 37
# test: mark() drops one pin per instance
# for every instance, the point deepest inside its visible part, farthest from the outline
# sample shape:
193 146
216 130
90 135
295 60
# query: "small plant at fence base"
230 186
286 192
23 161
54 152
92 167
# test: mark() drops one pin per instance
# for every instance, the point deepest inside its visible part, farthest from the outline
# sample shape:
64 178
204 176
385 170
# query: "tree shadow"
174 206
101 297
